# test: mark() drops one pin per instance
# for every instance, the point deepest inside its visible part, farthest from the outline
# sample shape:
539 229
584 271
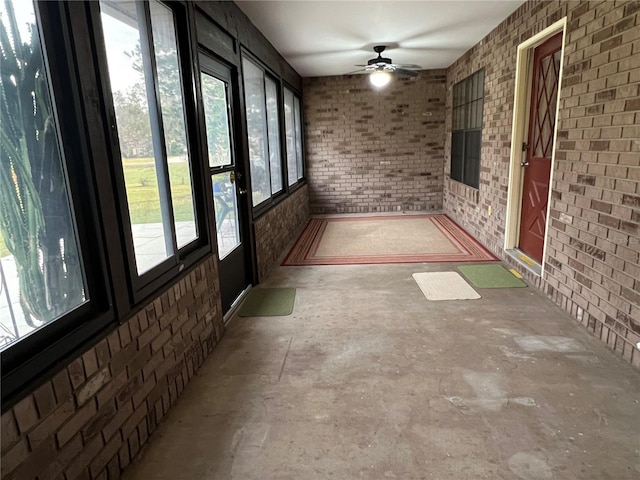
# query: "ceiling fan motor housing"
380 60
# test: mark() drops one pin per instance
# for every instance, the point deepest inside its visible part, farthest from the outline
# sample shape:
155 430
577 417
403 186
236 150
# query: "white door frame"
519 132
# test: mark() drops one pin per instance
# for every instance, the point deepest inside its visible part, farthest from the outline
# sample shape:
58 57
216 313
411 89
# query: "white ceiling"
320 38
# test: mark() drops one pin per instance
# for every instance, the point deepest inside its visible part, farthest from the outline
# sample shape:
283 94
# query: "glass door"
229 194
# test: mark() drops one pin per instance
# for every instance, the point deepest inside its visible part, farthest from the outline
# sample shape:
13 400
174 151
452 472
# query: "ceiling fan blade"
410 66
408 73
362 70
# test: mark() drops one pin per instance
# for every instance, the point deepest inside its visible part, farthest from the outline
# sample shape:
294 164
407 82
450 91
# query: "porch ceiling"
321 38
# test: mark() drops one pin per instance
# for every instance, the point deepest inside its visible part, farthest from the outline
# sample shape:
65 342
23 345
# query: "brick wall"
96 414
374 151
277 228
592 262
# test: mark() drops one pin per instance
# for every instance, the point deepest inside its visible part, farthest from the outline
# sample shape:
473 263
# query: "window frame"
461 138
301 177
39 353
278 196
142 286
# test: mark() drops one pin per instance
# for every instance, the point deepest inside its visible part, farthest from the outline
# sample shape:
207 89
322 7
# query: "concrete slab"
369 380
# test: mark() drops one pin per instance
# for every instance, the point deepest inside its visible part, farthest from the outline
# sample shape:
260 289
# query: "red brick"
26 413
122 358
105 454
76 422
113 340
129 388
45 399
14 456
125 335
8 430
90 362
102 353
62 458
114 424
111 388
132 422
50 424
611 43
76 373
147 335
92 385
632 105
62 386
160 340
99 420
84 457
45 453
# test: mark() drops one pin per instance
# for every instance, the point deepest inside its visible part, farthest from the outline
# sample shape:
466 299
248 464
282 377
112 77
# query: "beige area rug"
444 286
349 240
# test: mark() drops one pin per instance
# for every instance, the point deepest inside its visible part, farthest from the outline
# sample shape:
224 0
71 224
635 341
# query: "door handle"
242 191
524 163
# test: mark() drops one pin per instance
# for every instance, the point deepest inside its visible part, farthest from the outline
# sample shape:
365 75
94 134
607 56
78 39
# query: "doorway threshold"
234 306
525 261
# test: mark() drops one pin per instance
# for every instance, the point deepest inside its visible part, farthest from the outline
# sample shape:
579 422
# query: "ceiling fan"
380 68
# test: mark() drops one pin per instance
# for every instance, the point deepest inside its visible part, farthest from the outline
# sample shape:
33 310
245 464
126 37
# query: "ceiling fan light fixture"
379 78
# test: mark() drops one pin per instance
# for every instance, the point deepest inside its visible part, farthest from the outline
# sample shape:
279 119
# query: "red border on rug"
469 250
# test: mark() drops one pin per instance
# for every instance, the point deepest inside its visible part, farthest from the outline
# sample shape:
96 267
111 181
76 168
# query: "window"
265 160
466 131
50 252
144 64
293 125
41 266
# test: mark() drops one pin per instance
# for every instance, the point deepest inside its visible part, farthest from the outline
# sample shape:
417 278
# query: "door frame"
229 73
519 133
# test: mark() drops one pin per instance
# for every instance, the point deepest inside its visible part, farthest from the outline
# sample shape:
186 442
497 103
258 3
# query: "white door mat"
444 286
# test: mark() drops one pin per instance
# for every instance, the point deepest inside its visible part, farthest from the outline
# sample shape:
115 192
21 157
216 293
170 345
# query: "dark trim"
463 160
160 156
300 181
229 18
100 124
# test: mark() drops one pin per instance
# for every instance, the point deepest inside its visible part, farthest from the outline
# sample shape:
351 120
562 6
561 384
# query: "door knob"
524 163
242 191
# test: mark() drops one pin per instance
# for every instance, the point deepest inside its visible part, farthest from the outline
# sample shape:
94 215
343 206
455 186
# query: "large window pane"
292 116
226 210
141 156
298 123
472 149
457 155
256 132
214 94
41 271
289 123
273 131
173 120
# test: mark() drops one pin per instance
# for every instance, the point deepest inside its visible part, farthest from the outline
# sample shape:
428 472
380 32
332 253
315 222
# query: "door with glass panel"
539 147
227 180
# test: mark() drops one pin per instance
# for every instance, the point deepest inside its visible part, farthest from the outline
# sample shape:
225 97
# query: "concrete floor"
369 380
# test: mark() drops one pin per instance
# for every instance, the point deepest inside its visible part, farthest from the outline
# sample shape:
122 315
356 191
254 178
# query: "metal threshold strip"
525 261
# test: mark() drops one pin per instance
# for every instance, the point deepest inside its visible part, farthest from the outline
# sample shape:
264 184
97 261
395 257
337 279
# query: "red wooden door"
537 163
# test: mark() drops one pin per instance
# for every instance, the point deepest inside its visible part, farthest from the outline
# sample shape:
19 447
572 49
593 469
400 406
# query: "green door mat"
491 276
268 302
